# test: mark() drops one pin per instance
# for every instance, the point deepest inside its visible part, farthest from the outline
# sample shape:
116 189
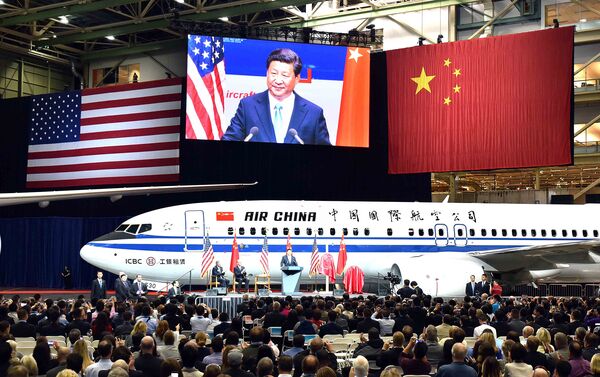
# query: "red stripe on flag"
134 86
131 101
189 129
103 165
210 86
104 181
131 117
104 150
200 109
130 133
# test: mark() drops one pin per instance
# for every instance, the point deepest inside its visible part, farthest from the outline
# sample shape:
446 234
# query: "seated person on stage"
217 271
288 259
240 274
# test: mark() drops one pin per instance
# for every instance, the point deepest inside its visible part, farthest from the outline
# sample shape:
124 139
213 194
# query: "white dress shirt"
94 369
287 108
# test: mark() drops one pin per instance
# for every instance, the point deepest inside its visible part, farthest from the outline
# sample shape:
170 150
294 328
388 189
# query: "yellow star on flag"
447 101
456 72
447 62
456 89
422 81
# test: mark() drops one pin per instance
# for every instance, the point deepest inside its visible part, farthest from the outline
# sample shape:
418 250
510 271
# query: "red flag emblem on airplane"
224 216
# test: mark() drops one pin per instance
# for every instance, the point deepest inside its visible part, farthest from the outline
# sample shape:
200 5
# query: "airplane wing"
44 197
541 257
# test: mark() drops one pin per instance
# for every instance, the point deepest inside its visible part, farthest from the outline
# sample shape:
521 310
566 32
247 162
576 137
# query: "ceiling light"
224 19
1 2
583 20
180 1
63 20
110 37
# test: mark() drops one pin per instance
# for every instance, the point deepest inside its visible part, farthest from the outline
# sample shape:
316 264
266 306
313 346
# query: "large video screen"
277 92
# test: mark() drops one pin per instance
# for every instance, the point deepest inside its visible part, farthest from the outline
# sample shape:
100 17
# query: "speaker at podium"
291 279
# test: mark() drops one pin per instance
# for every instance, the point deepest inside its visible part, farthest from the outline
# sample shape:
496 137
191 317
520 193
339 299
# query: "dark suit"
285 262
217 272
254 111
98 291
330 328
273 319
83 326
173 293
482 288
138 286
470 289
240 276
23 330
132 373
122 290
366 325
148 364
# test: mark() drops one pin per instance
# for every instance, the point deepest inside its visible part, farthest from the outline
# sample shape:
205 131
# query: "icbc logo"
150 261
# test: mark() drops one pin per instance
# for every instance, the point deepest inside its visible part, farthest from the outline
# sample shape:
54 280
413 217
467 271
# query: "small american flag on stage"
205 99
315 260
114 135
207 257
264 257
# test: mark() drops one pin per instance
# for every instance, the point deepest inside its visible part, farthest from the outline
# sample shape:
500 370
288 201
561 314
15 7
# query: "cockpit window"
145 228
133 228
121 228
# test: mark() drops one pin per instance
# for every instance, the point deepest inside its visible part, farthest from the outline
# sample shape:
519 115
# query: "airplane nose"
86 253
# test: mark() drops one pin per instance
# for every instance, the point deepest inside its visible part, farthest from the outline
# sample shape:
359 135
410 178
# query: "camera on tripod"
392 278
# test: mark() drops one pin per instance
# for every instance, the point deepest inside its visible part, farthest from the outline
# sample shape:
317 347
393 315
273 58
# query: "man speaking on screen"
279 115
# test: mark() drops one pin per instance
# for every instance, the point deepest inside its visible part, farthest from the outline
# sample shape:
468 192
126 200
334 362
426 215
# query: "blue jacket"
307 119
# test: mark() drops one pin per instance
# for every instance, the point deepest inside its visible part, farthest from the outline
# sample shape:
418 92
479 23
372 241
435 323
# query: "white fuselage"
430 242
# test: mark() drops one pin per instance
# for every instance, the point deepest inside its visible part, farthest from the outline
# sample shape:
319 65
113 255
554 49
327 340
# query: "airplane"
439 245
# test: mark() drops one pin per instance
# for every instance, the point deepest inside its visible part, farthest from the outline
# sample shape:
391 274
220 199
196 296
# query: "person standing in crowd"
98 287
415 287
483 286
67 278
406 291
471 287
457 368
138 288
122 287
174 291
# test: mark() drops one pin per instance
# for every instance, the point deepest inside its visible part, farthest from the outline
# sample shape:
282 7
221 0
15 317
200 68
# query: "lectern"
291 279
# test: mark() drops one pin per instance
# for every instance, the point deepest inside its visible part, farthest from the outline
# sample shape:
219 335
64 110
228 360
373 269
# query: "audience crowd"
395 336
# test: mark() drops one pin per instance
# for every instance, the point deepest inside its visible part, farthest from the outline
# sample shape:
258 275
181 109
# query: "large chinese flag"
489 103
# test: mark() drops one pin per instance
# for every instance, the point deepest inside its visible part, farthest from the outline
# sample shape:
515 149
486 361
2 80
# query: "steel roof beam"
230 11
176 44
57 12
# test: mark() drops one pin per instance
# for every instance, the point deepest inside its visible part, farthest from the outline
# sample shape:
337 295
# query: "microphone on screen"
294 133
253 132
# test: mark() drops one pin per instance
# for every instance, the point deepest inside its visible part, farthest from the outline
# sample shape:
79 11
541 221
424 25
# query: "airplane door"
441 235
194 230
460 235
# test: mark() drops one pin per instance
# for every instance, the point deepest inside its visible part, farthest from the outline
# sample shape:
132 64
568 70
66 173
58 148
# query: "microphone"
294 133
253 132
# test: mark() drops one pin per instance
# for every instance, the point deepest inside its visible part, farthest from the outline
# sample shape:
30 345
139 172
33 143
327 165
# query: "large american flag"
114 135
264 257
208 257
315 260
205 99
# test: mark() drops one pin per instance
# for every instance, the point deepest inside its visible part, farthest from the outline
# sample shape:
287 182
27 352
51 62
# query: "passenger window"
523 233
430 232
121 228
230 231
345 231
296 231
483 232
514 232
441 232
564 233
355 231
133 228
504 233
286 231
553 232
494 233
574 233
367 232
411 232
585 233
145 228
308 231
252 231
263 231
533 233
390 231
595 233
274 231
421 232
544 233
241 231
320 231
460 232
332 231
472 232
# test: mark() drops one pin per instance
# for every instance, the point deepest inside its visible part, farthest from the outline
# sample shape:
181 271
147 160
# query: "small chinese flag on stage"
487 103
288 245
224 216
342 257
235 253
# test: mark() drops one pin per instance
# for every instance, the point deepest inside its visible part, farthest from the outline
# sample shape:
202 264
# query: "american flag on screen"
315 260
208 257
264 257
123 134
205 100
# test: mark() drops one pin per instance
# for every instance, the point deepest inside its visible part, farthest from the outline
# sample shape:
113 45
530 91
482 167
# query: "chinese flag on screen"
488 103
353 128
